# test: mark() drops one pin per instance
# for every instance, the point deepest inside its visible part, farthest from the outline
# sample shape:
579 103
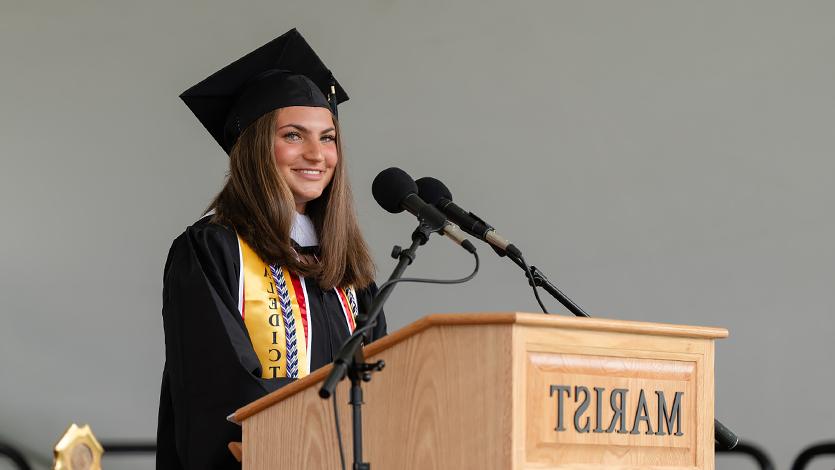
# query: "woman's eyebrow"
304 129
295 126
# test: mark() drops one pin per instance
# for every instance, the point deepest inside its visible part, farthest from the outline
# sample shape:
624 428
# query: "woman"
266 287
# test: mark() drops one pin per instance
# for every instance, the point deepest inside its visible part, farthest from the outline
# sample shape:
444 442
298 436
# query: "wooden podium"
507 391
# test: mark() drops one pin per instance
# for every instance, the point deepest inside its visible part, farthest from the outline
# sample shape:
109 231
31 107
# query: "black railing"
743 448
110 448
752 450
127 447
809 453
15 456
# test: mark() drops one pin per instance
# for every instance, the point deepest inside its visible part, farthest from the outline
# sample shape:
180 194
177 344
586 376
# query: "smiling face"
305 151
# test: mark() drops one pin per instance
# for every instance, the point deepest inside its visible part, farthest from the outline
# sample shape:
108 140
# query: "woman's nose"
313 151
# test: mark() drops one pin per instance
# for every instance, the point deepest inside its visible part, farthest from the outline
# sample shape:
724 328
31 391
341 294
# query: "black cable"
391 282
435 281
533 283
338 431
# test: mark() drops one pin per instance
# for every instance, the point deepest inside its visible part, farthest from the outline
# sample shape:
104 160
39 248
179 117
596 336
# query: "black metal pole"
358 368
350 360
405 258
356 405
351 352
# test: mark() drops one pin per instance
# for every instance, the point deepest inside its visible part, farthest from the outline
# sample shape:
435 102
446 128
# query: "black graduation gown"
211 369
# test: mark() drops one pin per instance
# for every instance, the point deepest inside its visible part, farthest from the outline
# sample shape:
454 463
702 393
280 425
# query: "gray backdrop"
661 161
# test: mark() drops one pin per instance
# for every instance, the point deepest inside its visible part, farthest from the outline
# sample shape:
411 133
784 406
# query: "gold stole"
277 315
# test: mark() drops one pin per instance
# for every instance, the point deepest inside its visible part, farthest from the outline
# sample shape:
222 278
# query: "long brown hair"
257 203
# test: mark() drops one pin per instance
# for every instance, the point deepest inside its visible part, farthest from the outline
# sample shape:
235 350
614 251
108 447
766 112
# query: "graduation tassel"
332 98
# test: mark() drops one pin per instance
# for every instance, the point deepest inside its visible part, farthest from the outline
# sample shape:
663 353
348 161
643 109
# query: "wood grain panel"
550 323
443 401
472 391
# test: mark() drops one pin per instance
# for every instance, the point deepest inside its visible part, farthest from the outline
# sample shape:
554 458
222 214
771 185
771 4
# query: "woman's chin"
303 199
306 194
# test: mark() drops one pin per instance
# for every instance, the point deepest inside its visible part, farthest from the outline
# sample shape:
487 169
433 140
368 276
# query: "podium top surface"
498 318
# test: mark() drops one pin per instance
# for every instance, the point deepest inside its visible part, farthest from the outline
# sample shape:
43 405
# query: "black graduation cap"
284 72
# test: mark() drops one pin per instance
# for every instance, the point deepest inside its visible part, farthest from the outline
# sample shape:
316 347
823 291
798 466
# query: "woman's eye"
329 138
292 136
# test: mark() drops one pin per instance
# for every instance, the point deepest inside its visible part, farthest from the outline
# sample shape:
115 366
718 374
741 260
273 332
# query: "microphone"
436 193
395 191
725 438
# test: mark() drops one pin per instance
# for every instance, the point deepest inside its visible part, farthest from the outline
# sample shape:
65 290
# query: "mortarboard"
284 72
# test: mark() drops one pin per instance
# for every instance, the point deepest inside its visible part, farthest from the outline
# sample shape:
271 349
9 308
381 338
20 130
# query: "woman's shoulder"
206 230
206 238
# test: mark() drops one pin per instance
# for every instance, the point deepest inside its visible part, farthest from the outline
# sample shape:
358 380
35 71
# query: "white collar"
303 232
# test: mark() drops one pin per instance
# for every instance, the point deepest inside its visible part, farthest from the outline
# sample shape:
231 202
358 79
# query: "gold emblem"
78 449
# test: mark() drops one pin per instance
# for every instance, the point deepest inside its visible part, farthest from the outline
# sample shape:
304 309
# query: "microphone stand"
724 438
537 278
350 360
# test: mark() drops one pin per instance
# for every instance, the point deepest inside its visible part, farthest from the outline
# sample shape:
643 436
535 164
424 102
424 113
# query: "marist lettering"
668 419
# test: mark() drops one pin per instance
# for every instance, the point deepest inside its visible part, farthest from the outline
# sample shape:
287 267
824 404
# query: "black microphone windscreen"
725 438
390 187
432 191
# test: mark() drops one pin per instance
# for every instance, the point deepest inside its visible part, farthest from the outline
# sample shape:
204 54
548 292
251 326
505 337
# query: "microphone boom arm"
538 279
